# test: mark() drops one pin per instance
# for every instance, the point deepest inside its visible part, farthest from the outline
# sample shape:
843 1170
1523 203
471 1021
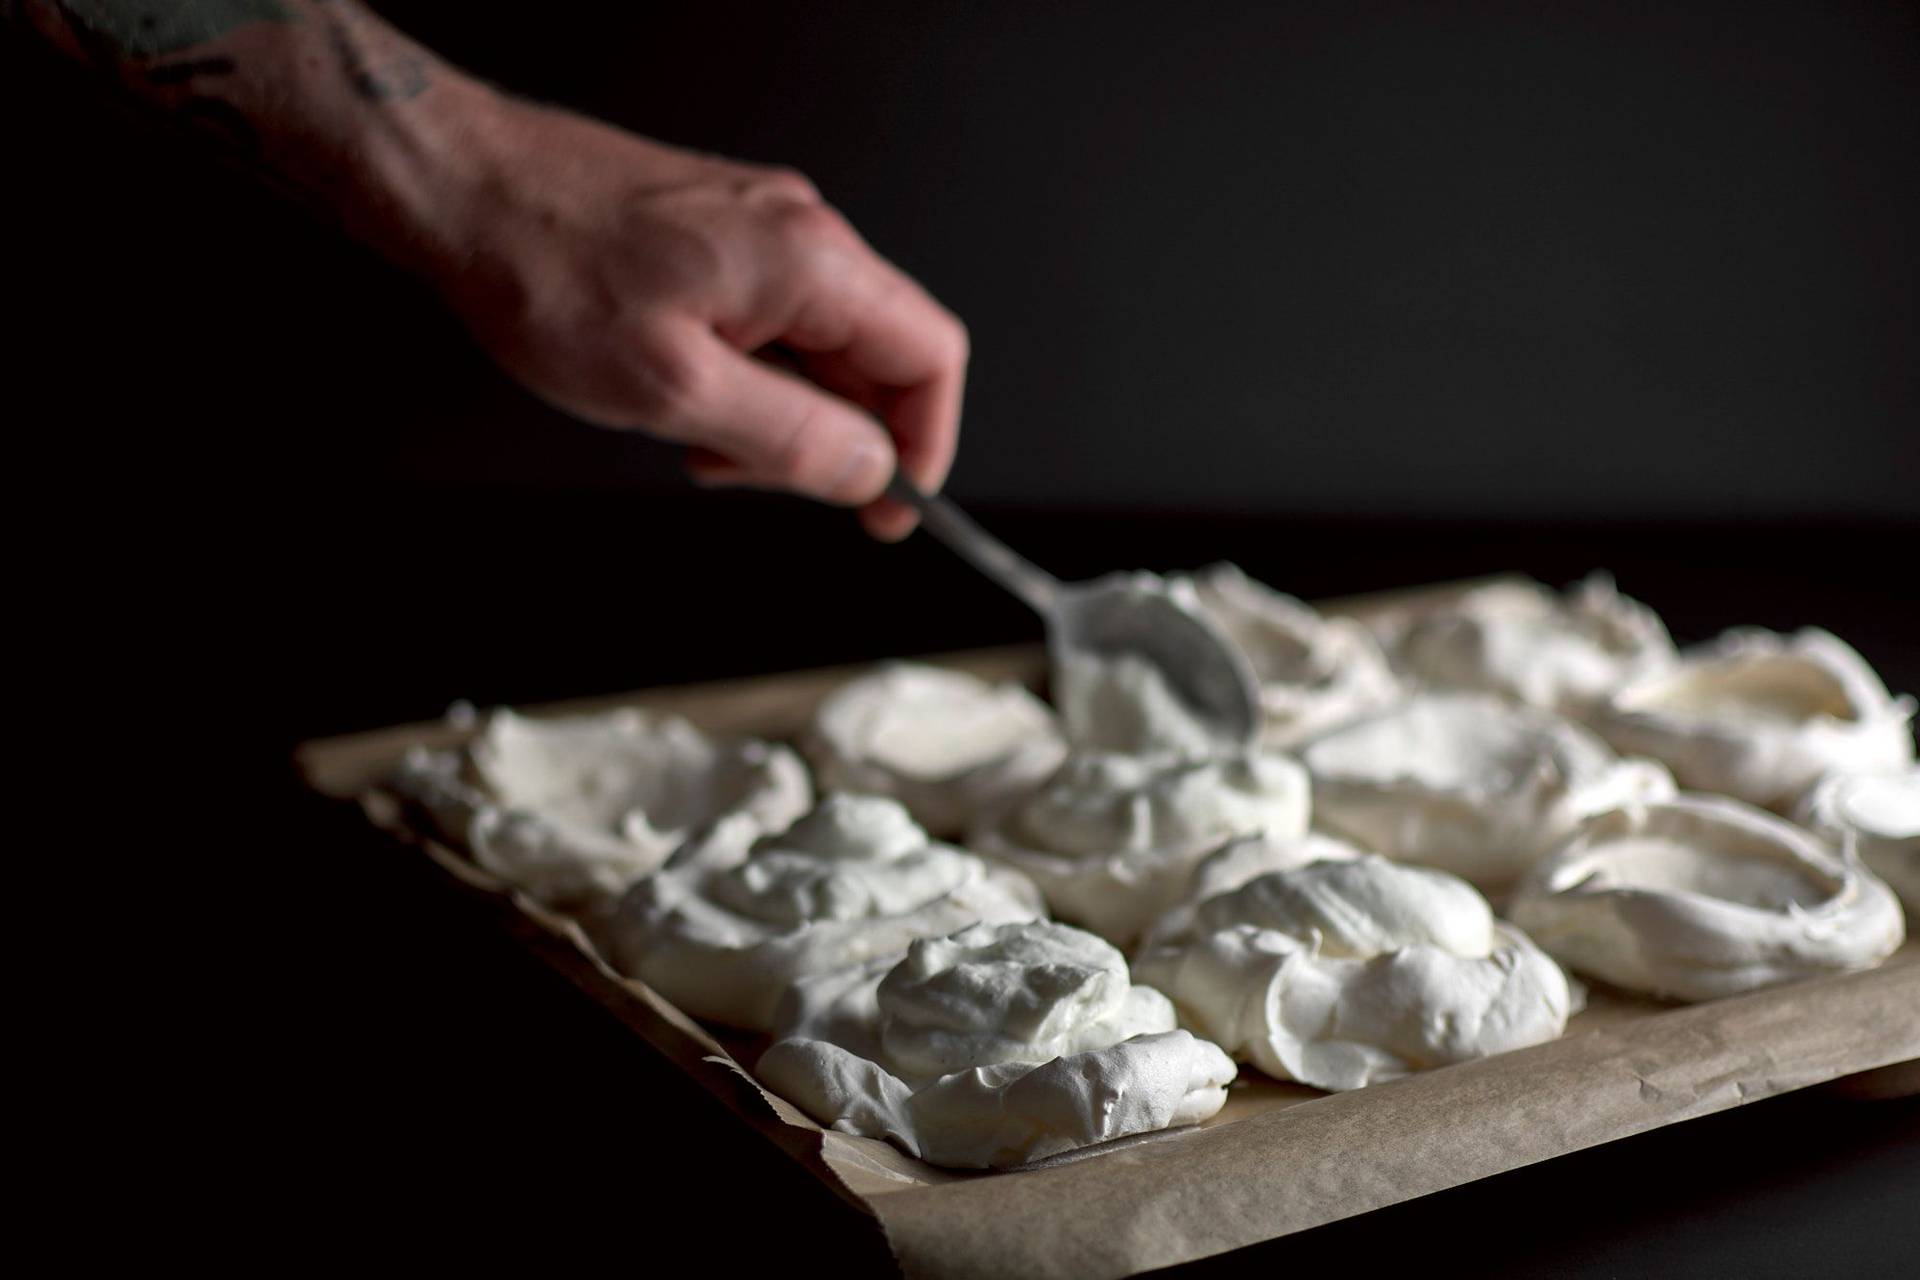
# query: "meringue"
1004 1044
736 916
1025 992
1344 974
1762 716
1468 782
1878 817
1562 653
945 744
1010 993
1314 672
1701 896
1238 861
1003 1116
573 809
1111 840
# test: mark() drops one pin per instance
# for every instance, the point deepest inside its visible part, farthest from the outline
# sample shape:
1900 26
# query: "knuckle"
781 183
673 377
683 259
809 227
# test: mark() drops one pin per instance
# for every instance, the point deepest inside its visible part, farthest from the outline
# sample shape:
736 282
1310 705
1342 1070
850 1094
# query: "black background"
1597 259
1358 295
1605 261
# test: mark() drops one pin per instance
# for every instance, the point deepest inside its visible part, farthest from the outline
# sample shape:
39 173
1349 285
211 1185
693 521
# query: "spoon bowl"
1111 617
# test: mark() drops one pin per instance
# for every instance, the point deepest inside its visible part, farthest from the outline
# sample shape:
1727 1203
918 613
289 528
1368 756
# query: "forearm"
320 95
627 281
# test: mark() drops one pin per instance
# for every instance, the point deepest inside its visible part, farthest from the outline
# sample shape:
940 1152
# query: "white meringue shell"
1343 974
573 809
947 745
1013 1114
1003 1044
1877 817
1468 782
1111 840
1522 641
1703 896
1762 716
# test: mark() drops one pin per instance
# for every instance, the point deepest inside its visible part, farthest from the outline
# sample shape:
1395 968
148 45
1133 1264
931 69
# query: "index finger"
876 326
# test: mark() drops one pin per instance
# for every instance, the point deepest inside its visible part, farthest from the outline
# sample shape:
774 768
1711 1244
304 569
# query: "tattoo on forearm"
118 32
395 78
150 28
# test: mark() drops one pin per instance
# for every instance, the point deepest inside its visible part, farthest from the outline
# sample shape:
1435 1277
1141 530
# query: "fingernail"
868 466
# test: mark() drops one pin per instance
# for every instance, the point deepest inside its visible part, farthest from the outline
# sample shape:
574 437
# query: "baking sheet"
1279 1158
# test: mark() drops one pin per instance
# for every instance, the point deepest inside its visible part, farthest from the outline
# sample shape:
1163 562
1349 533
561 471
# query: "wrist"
424 167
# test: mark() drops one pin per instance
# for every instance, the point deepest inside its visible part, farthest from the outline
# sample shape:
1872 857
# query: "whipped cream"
1112 840
1314 672
945 744
573 809
1762 716
1341 974
1468 782
1564 653
736 916
1003 1044
1702 896
1877 816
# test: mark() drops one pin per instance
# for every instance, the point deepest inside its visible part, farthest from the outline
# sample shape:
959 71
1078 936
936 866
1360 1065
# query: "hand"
630 283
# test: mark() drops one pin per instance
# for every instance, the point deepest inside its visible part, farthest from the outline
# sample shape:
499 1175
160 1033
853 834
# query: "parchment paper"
1279 1158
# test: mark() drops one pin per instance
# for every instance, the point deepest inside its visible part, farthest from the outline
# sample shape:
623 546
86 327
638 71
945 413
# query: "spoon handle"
977 547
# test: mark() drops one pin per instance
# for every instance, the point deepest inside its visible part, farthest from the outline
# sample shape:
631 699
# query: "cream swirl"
1010 993
1236 862
1468 783
1003 1044
1359 908
1112 840
1341 974
735 918
1011 1114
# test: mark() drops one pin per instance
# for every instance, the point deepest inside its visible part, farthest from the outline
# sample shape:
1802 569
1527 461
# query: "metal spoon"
1110 616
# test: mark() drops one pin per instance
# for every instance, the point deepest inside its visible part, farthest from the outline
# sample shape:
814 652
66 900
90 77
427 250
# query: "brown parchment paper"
1279 1158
